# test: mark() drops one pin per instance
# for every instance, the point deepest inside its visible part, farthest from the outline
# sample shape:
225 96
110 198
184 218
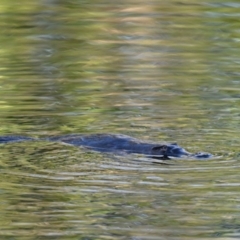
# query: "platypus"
117 143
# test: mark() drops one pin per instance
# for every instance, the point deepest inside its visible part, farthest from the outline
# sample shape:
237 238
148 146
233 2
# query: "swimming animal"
117 143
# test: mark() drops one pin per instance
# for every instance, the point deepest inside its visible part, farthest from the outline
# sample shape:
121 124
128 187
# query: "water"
158 70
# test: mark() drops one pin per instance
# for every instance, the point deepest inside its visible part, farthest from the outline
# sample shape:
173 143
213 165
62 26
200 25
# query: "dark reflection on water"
159 70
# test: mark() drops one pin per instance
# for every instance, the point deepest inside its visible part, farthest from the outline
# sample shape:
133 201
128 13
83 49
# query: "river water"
156 70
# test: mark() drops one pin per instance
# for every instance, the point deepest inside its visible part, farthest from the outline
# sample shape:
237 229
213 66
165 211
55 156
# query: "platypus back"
7 139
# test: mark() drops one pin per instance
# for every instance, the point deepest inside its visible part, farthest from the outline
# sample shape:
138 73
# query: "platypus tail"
7 139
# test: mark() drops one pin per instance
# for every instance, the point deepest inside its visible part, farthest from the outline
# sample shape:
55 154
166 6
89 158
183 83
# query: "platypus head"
169 150
173 150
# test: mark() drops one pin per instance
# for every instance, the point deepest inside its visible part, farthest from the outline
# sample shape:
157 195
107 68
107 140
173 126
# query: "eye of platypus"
171 150
160 150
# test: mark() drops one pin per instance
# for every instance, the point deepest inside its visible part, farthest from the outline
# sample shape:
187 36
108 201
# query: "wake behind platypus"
117 143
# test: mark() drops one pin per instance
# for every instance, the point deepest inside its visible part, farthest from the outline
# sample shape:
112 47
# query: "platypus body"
116 143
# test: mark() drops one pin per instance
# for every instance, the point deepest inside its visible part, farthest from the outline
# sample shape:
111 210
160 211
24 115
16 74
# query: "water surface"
159 70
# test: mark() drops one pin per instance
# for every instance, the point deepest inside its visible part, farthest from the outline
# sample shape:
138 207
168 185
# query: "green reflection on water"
163 70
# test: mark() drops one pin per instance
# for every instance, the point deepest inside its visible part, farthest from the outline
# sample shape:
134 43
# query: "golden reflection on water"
163 71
